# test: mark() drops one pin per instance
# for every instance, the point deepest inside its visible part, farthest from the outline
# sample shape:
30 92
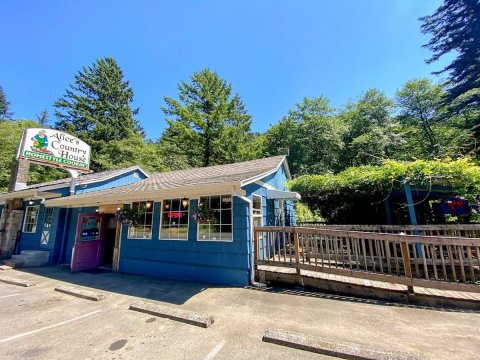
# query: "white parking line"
5 296
48 327
211 355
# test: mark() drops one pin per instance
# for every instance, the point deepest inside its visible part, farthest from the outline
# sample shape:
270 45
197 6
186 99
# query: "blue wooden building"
193 224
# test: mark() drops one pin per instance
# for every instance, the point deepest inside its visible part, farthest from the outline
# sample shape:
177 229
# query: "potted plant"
129 217
203 214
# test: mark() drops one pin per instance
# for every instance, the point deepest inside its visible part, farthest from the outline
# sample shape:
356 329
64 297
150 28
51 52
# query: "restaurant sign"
54 148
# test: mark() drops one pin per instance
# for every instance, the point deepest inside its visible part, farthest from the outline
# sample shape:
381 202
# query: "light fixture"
119 208
148 204
167 206
184 202
96 210
30 202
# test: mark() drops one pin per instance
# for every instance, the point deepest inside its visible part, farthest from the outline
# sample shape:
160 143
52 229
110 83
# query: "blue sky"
273 52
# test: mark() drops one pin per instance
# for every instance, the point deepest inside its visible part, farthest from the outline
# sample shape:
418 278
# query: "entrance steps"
28 258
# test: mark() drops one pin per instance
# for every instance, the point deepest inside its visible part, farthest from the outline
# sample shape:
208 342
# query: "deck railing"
443 262
460 230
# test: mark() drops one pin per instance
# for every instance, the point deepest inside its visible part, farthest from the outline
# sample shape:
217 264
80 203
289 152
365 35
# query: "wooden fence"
443 262
460 230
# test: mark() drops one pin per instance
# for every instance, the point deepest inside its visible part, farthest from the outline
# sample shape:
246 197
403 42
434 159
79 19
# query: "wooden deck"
375 284
437 266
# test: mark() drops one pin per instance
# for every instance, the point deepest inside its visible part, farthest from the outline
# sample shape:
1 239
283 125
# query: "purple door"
88 248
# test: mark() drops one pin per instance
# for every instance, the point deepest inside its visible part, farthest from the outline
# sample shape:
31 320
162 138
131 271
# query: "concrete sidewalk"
241 318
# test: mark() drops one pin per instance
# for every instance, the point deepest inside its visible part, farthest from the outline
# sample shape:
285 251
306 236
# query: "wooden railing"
460 230
443 262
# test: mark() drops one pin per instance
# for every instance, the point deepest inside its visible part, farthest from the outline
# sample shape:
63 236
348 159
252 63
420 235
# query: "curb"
171 313
18 282
84 294
341 350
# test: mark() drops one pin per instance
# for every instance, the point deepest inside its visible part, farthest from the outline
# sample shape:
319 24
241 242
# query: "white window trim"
198 224
151 227
160 221
36 220
45 214
261 209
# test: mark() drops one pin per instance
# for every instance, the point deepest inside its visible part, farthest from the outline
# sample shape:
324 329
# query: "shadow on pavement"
149 288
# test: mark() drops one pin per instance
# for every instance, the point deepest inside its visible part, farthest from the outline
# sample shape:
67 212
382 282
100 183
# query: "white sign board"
54 148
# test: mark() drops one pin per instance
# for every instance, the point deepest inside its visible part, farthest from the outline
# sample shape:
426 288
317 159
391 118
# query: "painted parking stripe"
48 327
5 296
214 352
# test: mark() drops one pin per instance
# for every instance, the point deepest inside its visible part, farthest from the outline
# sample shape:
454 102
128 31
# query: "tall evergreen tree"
5 112
207 125
455 28
96 108
43 118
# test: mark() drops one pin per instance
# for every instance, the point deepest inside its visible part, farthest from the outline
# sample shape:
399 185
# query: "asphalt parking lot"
40 323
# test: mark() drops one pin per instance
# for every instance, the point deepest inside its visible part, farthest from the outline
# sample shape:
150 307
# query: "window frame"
129 237
178 225
231 216
257 215
25 222
48 215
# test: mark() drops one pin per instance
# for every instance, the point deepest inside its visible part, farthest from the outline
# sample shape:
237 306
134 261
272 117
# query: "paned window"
257 211
143 230
174 219
219 228
47 219
31 218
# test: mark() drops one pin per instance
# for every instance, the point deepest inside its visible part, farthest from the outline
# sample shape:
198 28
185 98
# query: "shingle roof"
88 178
237 172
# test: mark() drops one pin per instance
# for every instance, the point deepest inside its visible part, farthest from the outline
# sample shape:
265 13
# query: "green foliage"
303 213
11 134
418 103
461 175
311 135
455 28
357 194
96 108
208 125
370 137
428 129
132 151
5 112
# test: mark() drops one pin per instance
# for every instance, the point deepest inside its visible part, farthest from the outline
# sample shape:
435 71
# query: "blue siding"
207 261
121 180
67 218
31 241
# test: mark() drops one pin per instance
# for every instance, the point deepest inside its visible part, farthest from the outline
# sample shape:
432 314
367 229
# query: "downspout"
252 255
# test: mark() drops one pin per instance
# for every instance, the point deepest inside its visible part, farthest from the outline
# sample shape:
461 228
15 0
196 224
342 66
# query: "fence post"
406 264
297 249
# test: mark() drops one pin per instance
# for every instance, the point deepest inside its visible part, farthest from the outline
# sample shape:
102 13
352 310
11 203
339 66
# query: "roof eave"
118 198
67 184
265 174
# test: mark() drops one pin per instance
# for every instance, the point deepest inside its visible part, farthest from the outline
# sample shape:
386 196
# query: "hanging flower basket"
203 214
129 217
